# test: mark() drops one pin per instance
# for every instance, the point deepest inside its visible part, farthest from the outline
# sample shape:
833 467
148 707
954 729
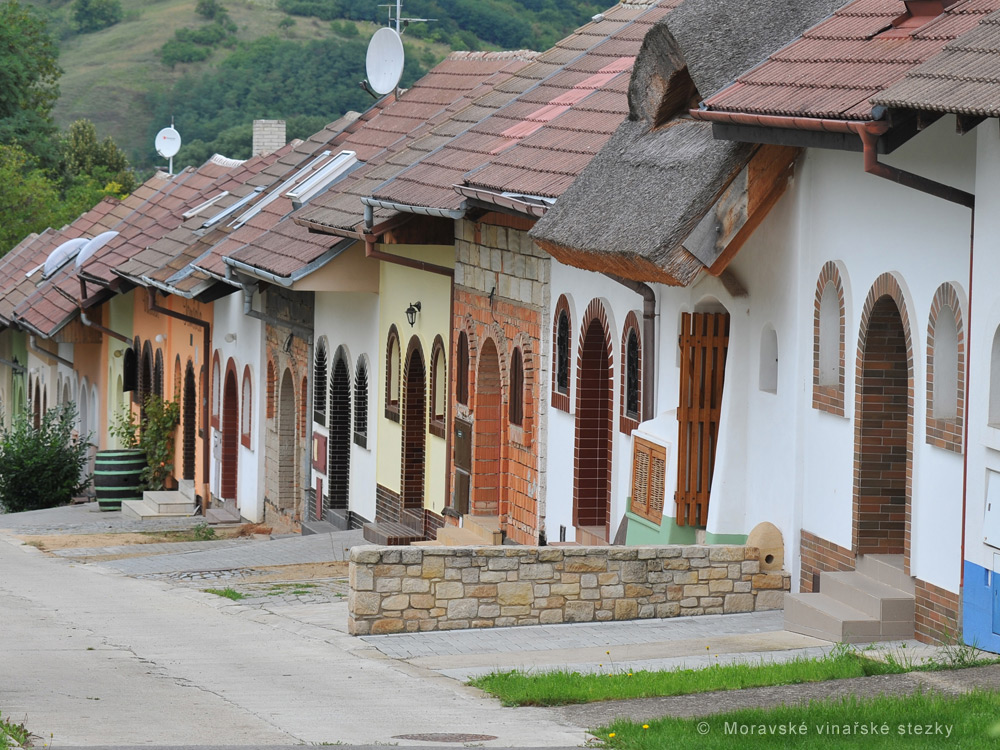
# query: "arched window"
246 404
130 370
392 375
158 374
768 374
271 385
36 404
561 349
216 389
462 369
946 371
177 378
516 397
361 403
631 384
304 393
829 328
319 384
439 389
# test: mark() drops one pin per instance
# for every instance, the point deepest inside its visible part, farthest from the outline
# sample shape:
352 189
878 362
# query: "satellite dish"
168 143
93 246
62 255
384 62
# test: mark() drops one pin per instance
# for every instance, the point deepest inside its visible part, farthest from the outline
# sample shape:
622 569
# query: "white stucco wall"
246 349
351 320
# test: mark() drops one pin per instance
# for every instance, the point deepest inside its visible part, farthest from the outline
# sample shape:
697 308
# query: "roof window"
62 255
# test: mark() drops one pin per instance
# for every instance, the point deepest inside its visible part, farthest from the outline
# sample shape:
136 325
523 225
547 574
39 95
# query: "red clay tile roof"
838 66
964 78
537 131
449 88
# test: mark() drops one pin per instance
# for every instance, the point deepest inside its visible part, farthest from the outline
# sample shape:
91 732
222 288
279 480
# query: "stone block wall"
395 590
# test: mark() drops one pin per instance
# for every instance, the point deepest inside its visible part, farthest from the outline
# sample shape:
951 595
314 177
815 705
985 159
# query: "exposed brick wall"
495 255
414 445
821 556
268 136
937 618
883 453
829 397
387 504
946 432
451 588
594 413
287 354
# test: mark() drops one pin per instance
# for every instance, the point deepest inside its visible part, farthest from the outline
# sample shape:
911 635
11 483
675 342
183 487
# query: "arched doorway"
592 475
339 419
189 417
230 435
286 442
487 433
882 492
414 429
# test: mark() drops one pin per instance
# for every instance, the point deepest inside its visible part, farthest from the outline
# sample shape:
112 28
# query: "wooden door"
704 342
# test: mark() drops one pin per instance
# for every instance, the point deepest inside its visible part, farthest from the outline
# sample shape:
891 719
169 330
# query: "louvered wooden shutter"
649 469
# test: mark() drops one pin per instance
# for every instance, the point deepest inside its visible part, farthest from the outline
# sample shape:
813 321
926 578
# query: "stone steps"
875 602
159 504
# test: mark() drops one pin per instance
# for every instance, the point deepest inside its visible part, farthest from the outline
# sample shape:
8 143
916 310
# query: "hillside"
117 79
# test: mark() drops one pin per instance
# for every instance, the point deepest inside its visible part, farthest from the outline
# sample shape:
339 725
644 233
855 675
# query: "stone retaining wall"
406 589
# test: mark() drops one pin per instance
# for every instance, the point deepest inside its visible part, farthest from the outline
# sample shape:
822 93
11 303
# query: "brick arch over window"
272 385
631 385
829 341
361 402
319 382
414 420
594 429
562 353
883 424
216 388
439 387
392 374
946 369
230 432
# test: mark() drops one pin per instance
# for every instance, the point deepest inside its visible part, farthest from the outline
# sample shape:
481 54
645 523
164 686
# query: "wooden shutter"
649 469
704 343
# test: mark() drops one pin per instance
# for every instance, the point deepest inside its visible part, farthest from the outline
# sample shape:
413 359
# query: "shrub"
157 440
174 52
44 467
94 15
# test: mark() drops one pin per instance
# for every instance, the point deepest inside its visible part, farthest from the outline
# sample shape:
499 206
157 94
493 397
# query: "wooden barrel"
117 477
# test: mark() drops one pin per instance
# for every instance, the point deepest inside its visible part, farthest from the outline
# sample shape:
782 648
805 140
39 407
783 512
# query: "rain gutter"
33 346
441 213
97 326
206 329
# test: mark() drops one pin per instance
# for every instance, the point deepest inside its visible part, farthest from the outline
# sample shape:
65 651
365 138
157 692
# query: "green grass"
517 688
8 730
228 593
838 724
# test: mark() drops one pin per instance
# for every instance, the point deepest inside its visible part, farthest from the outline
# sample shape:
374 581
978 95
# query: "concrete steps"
475 531
875 602
160 504
221 517
591 536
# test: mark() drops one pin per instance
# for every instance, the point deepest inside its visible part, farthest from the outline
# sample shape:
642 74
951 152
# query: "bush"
159 421
94 15
174 52
44 467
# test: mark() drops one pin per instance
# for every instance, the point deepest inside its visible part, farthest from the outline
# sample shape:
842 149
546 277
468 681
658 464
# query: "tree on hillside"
28 81
26 197
94 15
101 161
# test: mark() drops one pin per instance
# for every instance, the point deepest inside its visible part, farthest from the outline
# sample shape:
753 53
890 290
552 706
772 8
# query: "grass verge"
923 720
228 593
516 688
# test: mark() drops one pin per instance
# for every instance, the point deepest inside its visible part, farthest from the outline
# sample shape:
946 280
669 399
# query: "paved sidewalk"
316 548
159 548
87 518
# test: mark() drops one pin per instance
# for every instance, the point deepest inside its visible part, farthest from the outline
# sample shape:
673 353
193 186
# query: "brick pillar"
268 136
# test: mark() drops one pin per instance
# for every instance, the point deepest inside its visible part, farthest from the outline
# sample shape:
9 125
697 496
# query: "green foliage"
94 15
174 52
308 83
26 197
157 440
203 532
229 593
124 428
286 23
43 467
345 29
85 155
210 9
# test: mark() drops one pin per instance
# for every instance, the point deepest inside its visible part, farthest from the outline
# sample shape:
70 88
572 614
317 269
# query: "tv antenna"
401 23
167 144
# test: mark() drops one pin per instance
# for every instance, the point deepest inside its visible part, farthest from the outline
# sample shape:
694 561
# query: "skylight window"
88 250
323 177
62 255
233 208
201 207
275 194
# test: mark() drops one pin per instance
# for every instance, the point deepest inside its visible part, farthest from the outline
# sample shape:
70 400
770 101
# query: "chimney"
268 136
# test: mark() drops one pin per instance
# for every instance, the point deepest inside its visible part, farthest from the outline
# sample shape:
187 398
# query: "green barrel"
117 477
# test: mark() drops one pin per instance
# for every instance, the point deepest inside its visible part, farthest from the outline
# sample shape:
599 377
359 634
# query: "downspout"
101 329
649 343
206 329
15 366
303 333
371 252
869 132
33 346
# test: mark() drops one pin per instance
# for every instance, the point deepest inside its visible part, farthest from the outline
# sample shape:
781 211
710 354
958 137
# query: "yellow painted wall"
399 287
117 313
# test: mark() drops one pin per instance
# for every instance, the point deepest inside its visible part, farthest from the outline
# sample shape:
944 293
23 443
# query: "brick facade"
501 298
936 618
288 358
883 424
946 431
821 556
829 396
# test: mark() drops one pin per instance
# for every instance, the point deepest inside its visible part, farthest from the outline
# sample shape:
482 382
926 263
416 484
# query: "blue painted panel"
980 597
